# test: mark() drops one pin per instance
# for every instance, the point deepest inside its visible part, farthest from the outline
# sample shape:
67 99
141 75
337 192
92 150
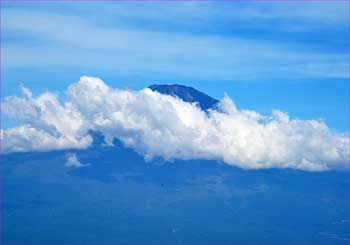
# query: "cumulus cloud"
158 125
73 162
49 125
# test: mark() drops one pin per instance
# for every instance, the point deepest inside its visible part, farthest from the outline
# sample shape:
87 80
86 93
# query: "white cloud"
29 138
73 162
75 41
49 125
159 125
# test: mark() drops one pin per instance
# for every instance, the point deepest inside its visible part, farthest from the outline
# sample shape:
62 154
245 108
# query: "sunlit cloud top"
158 125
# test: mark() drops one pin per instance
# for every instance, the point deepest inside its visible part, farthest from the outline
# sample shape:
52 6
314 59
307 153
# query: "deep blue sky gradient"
291 56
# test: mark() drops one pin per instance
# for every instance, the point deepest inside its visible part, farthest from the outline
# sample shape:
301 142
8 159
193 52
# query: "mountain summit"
187 94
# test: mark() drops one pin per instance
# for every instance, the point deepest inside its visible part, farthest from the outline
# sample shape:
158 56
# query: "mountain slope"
166 203
187 94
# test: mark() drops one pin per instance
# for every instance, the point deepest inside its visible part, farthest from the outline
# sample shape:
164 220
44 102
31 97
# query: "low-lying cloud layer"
164 126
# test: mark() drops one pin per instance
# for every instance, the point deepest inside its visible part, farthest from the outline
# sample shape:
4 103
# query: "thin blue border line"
1 173
97 1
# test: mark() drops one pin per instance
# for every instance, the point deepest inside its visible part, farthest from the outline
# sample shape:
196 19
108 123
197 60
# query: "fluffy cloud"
160 125
49 125
73 162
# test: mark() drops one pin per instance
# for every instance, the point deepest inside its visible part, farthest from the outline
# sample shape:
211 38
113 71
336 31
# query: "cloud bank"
157 125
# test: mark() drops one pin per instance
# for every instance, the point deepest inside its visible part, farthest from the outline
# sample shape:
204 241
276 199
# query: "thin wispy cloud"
186 47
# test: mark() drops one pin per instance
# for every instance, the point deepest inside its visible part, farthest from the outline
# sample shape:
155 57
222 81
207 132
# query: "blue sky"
291 56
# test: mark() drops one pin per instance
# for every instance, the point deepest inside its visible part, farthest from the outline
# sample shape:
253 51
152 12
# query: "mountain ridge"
187 94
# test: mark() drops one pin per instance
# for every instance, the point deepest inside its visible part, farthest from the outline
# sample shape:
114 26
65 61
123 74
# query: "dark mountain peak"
187 94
